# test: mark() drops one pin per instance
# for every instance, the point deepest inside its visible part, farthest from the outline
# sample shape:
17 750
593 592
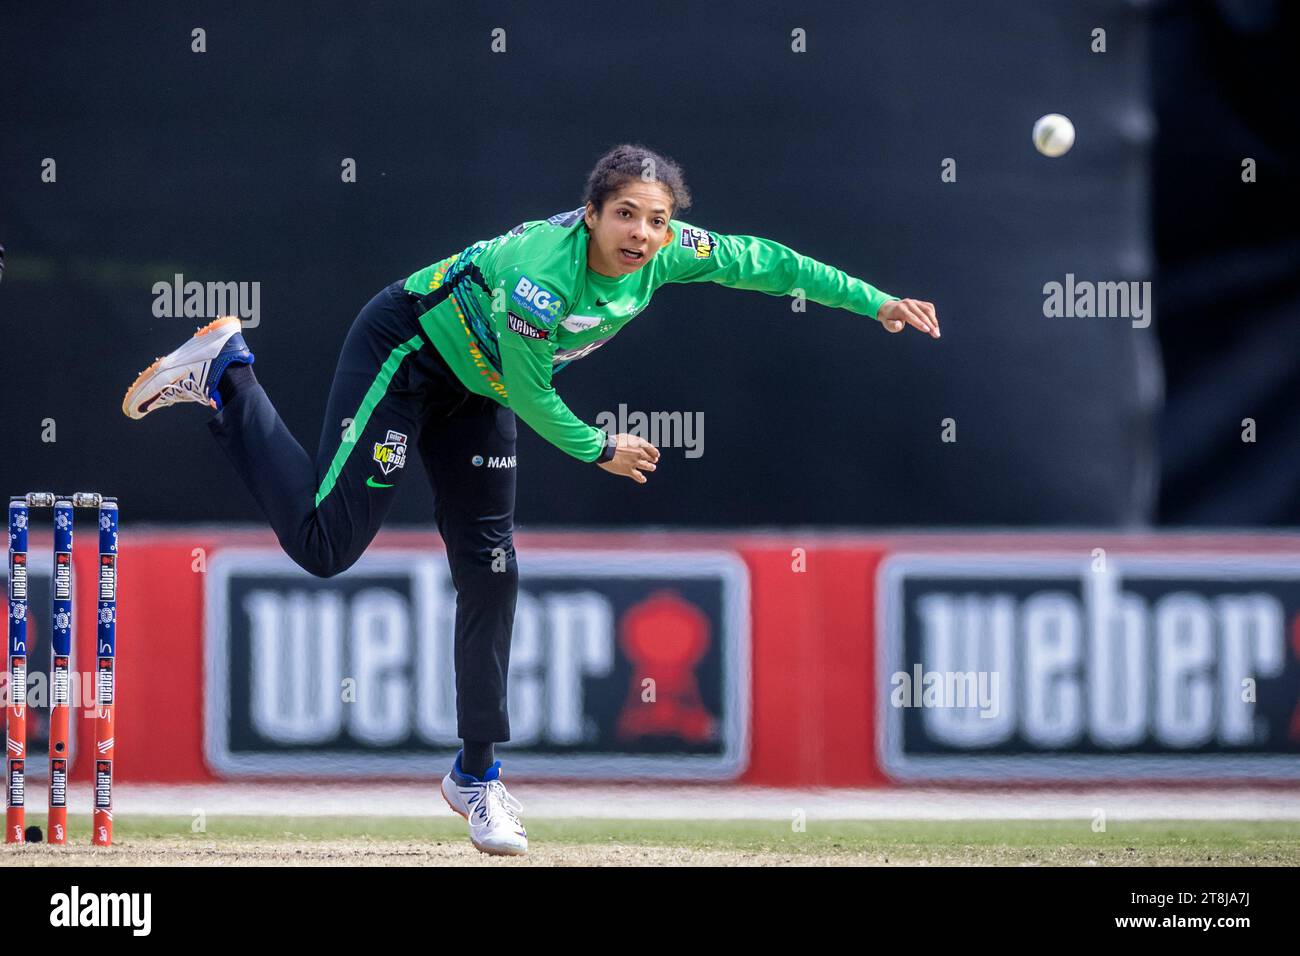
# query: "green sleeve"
526 371
536 280
748 262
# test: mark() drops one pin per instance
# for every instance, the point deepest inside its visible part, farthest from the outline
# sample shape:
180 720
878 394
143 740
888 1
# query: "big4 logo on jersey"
541 303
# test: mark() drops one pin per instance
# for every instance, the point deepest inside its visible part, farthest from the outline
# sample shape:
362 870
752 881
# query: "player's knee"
320 567
322 562
498 561
490 564
323 569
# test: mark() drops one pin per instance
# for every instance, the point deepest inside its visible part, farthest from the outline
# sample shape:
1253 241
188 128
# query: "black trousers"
393 393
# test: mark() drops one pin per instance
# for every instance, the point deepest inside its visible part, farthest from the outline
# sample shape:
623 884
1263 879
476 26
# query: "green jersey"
507 313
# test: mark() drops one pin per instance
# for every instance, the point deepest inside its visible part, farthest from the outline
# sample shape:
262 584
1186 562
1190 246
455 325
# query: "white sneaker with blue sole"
190 373
493 815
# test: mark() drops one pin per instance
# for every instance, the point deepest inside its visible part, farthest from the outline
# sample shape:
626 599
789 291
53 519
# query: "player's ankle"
237 377
476 757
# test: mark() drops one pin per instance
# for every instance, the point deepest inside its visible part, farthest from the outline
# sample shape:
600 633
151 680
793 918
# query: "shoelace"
496 800
182 390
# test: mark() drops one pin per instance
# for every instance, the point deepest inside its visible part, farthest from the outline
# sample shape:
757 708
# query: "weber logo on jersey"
630 664
1153 666
537 301
700 240
519 326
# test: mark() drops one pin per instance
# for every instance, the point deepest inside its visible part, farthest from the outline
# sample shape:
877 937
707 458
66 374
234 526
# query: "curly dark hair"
629 162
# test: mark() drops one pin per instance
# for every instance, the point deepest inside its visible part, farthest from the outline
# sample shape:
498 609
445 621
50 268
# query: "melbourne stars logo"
390 454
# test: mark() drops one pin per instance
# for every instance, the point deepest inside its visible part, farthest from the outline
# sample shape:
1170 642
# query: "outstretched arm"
526 365
750 262
526 354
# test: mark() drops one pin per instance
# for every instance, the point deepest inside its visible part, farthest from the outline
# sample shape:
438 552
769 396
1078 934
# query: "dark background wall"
1228 253
225 166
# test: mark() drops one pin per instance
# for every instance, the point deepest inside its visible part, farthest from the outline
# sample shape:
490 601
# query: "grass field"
411 841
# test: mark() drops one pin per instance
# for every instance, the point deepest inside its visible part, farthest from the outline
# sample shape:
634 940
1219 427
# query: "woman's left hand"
896 313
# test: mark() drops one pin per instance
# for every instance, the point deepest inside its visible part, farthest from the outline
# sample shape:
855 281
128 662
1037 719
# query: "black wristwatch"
607 453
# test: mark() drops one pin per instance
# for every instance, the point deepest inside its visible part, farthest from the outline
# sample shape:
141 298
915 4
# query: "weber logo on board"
1160 665
356 676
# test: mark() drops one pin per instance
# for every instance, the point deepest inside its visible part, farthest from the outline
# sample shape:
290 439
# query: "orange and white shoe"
190 373
493 815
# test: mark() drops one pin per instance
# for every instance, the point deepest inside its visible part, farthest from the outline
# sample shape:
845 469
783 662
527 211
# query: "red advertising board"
783 660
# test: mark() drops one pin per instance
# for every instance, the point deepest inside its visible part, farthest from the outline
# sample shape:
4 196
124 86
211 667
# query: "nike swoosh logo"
376 484
601 303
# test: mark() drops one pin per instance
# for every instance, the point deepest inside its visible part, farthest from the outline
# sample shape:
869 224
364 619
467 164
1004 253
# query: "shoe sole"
216 325
482 849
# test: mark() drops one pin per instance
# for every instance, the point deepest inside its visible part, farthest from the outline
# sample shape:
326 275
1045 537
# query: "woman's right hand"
632 456
896 314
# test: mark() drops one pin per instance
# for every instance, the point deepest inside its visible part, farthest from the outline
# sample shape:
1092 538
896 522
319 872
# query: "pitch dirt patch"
387 853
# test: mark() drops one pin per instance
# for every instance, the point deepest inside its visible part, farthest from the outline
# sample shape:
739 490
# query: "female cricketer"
443 361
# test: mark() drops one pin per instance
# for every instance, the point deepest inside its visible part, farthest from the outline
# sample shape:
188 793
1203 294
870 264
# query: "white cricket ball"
1053 134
